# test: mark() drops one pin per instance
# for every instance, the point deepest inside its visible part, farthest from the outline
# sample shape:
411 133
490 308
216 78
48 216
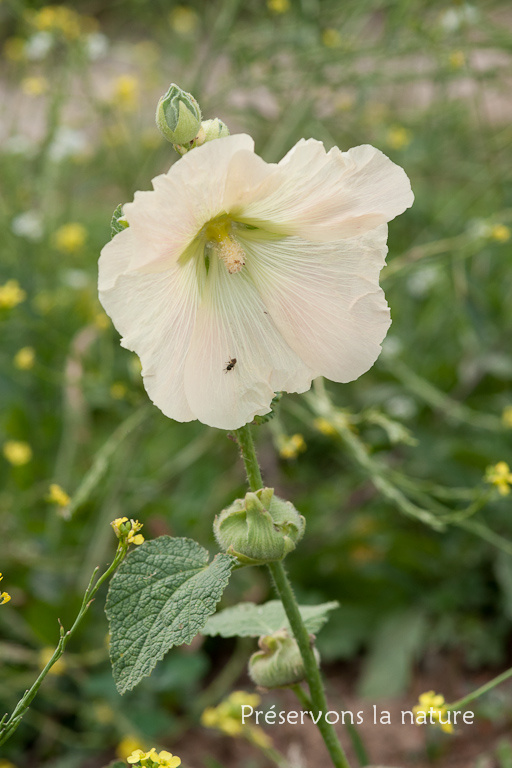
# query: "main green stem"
285 592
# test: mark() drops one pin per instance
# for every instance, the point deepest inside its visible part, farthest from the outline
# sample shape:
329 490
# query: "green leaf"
161 596
396 645
251 620
116 764
118 222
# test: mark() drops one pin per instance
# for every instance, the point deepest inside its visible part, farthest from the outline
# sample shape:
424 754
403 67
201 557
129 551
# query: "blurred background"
404 450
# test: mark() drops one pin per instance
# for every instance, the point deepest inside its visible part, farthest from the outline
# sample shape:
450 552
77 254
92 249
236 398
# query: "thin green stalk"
9 724
480 691
285 592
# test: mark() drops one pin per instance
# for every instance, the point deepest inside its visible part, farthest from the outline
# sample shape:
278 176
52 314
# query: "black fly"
230 365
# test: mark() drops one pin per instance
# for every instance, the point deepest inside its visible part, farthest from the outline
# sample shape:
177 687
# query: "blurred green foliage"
426 83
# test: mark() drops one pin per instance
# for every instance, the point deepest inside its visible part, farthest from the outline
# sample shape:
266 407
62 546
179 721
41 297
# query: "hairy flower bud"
178 116
212 129
260 528
278 663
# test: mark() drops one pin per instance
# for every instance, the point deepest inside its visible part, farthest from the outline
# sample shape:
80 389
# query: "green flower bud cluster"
259 529
278 663
179 120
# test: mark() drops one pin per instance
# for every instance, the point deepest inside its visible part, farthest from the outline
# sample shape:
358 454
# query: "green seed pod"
278 663
260 528
178 116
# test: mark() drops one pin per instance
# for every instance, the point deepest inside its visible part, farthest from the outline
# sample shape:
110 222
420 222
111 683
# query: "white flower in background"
38 46
28 225
96 45
18 144
67 142
421 282
452 19
274 266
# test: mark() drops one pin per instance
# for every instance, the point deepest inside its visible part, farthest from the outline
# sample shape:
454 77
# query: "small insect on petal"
230 364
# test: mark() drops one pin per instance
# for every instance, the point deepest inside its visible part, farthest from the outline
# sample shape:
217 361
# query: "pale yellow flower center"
229 250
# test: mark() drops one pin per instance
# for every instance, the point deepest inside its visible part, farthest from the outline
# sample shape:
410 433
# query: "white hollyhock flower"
275 266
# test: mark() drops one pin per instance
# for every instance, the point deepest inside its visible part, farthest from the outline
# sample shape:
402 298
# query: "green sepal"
118 222
278 663
259 420
260 528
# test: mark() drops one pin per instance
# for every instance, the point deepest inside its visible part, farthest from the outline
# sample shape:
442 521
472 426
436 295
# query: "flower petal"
331 196
114 259
324 298
233 322
201 185
155 313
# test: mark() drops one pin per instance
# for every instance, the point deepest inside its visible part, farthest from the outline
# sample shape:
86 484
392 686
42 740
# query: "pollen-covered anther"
231 253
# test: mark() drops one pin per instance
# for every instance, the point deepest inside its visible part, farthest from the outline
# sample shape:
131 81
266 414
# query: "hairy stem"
285 592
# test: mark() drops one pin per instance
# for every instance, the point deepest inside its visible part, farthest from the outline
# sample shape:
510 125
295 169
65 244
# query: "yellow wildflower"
398 137
116 525
24 358
34 86
278 6
14 50
155 759
11 294
290 447
70 238
58 495
258 737
59 19
331 38
128 745
456 59
506 416
239 698
500 233
104 714
129 529
432 706
325 427
126 92
17 452
227 718
4 597
331 426
166 760
500 476
45 655
133 536
6 764
118 390
183 20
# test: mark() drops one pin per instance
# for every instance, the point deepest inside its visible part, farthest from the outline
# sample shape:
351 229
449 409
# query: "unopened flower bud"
278 663
210 130
178 116
260 528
